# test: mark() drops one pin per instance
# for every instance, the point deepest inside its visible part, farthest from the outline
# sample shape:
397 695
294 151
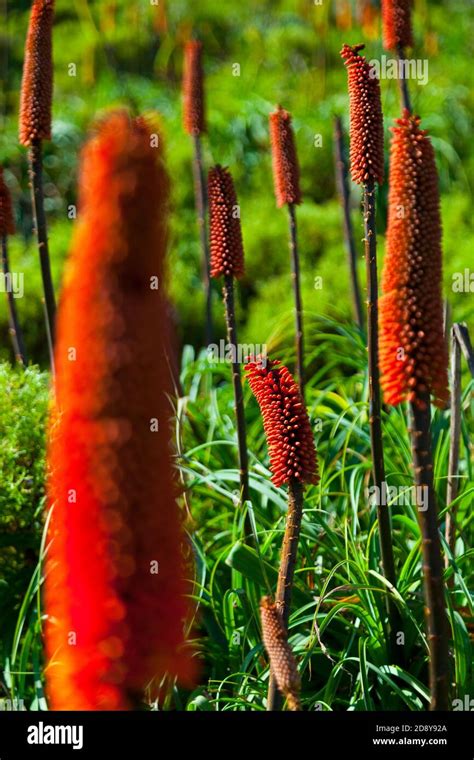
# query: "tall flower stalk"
227 261
293 463
286 178
464 340
460 342
35 126
397 36
345 197
366 157
413 357
194 121
454 444
7 227
115 588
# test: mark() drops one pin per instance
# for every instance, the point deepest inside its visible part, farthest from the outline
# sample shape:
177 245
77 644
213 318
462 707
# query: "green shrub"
23 405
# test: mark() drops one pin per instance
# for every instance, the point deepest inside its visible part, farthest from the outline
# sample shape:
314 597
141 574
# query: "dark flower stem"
383 511
286 571
435 608
289 549
201 205
295 277
36 179
403 83
228 293
460 341
464 340
13 321
344 194
454 444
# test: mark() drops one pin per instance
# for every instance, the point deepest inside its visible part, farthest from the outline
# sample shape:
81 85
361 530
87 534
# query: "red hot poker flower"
397 26
7 225
115 589
286 173
193 89
227 251
285 420
37 84
413 354
366 121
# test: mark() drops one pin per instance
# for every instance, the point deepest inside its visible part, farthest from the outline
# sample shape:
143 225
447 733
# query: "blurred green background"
130 52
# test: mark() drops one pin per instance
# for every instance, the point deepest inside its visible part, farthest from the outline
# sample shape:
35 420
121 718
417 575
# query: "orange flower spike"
37 84
396 22
227 251
413 354
115 588
286 423
286 173
7 225
193 89
366 120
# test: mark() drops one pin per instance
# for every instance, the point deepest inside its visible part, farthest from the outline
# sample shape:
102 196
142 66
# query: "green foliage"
130 53
337 625
23 403
23 255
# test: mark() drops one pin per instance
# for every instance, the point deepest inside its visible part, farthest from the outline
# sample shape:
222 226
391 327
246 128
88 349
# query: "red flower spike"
396 21
285 420
115 589
7 225
193 89
227 251
366 120
37 84
286 173
413 354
